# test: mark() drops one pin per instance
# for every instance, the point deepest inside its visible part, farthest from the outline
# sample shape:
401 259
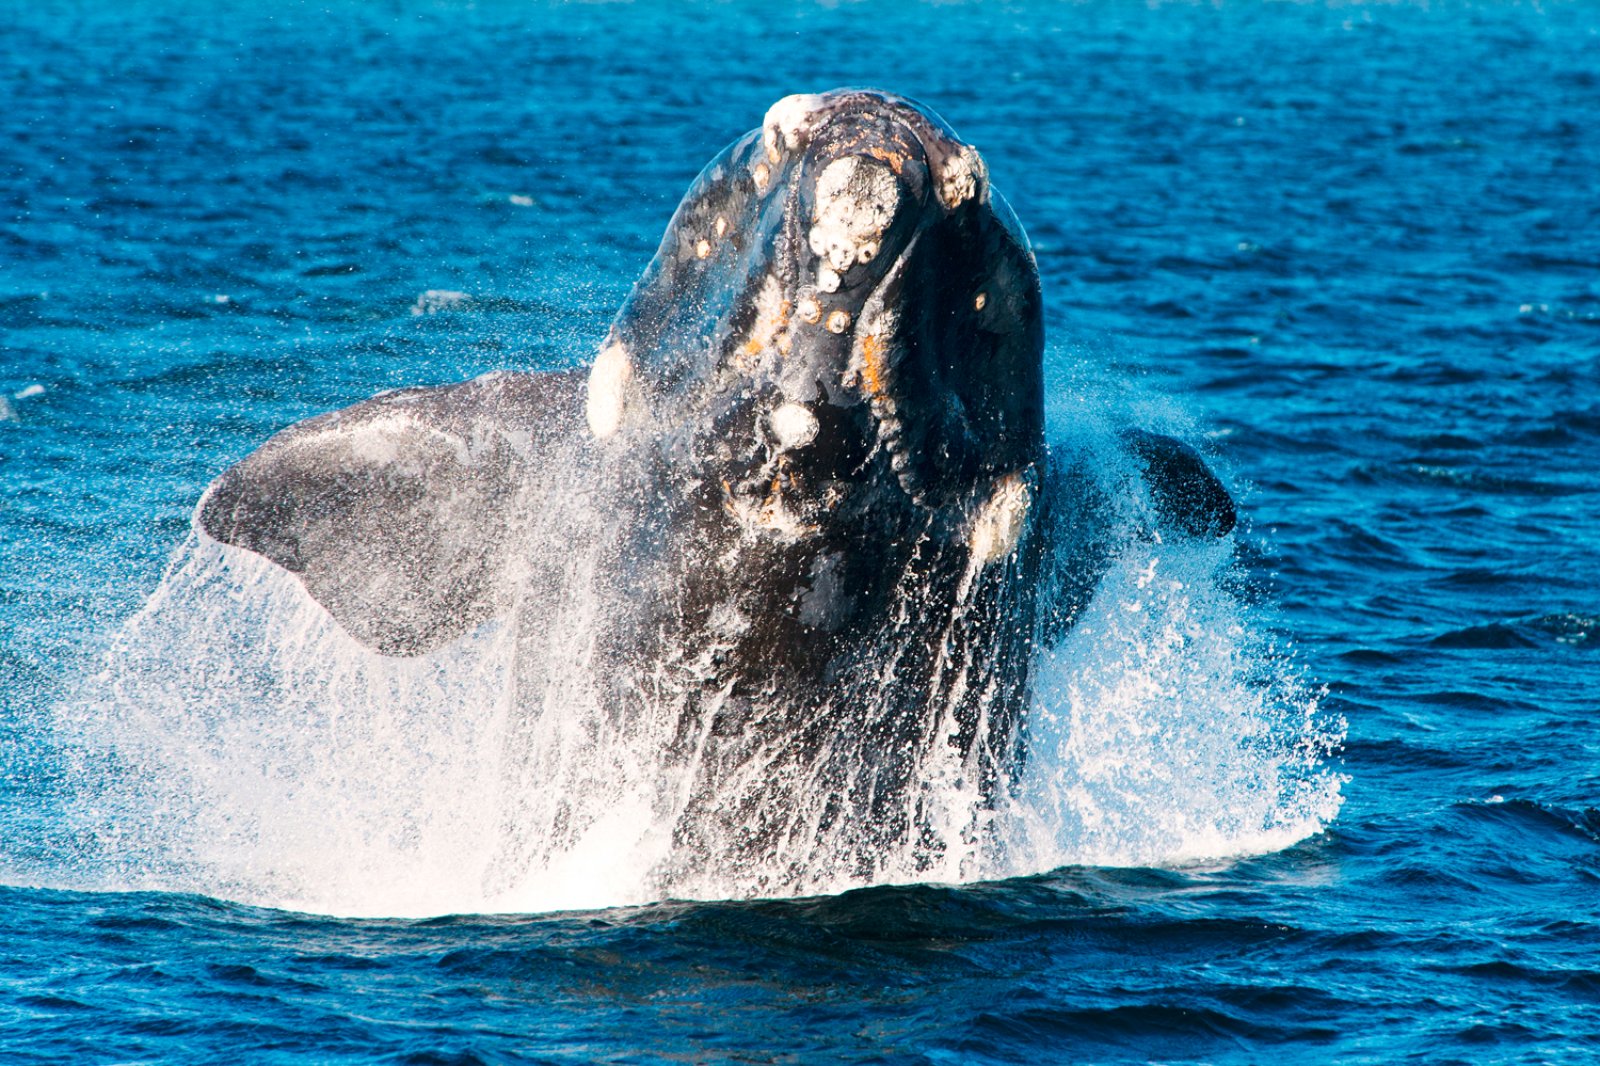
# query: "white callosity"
963 177
787 122
793 426
609 379
856 201
1000 521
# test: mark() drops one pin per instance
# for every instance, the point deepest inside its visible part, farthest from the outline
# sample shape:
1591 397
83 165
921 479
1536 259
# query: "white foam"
255 752
237 743
1166 730
435 301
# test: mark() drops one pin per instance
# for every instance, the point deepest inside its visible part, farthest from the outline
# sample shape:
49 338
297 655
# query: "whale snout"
841 306
924 281
895 129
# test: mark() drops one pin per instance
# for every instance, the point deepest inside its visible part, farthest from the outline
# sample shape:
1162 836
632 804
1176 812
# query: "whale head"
843 316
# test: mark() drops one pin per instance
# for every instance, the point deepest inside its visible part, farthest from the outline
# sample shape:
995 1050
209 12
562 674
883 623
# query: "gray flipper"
400 513
1187 496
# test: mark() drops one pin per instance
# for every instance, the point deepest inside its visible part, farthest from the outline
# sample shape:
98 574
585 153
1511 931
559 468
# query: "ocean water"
1329 791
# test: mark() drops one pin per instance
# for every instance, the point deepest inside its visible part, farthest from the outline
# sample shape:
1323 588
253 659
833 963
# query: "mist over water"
234 741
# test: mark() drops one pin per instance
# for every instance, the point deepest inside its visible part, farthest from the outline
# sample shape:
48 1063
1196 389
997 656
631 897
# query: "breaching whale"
817 428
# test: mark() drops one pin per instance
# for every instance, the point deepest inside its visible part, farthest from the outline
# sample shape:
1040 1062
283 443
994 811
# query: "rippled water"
1355 248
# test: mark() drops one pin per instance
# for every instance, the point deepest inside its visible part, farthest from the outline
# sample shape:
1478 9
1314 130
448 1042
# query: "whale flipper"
400 514
1186 495
1187 500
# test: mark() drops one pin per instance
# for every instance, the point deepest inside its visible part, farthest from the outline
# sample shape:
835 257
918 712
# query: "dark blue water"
1355 248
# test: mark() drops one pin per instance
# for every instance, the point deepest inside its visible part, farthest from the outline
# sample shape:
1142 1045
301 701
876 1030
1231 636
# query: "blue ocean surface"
1333 795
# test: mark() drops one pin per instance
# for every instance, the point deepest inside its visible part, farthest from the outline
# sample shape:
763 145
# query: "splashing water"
1167 727
237 743
1164 731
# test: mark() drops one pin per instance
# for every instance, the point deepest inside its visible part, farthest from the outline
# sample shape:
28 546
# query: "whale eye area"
763 453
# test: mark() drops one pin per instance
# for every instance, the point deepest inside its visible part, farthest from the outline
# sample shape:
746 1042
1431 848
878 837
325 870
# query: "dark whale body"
818 426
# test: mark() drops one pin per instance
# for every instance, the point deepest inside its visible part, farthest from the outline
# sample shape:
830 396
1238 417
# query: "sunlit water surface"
1353 251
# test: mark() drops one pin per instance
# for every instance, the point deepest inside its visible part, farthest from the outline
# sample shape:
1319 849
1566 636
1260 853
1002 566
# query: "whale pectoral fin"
1187 496
400 515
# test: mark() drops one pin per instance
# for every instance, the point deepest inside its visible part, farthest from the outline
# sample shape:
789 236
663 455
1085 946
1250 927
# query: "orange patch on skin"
872 366
767 330
895 160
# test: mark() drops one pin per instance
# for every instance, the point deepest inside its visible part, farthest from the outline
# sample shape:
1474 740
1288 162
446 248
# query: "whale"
833 538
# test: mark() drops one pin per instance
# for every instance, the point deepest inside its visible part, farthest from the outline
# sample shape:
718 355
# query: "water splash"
237 743
1165 730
